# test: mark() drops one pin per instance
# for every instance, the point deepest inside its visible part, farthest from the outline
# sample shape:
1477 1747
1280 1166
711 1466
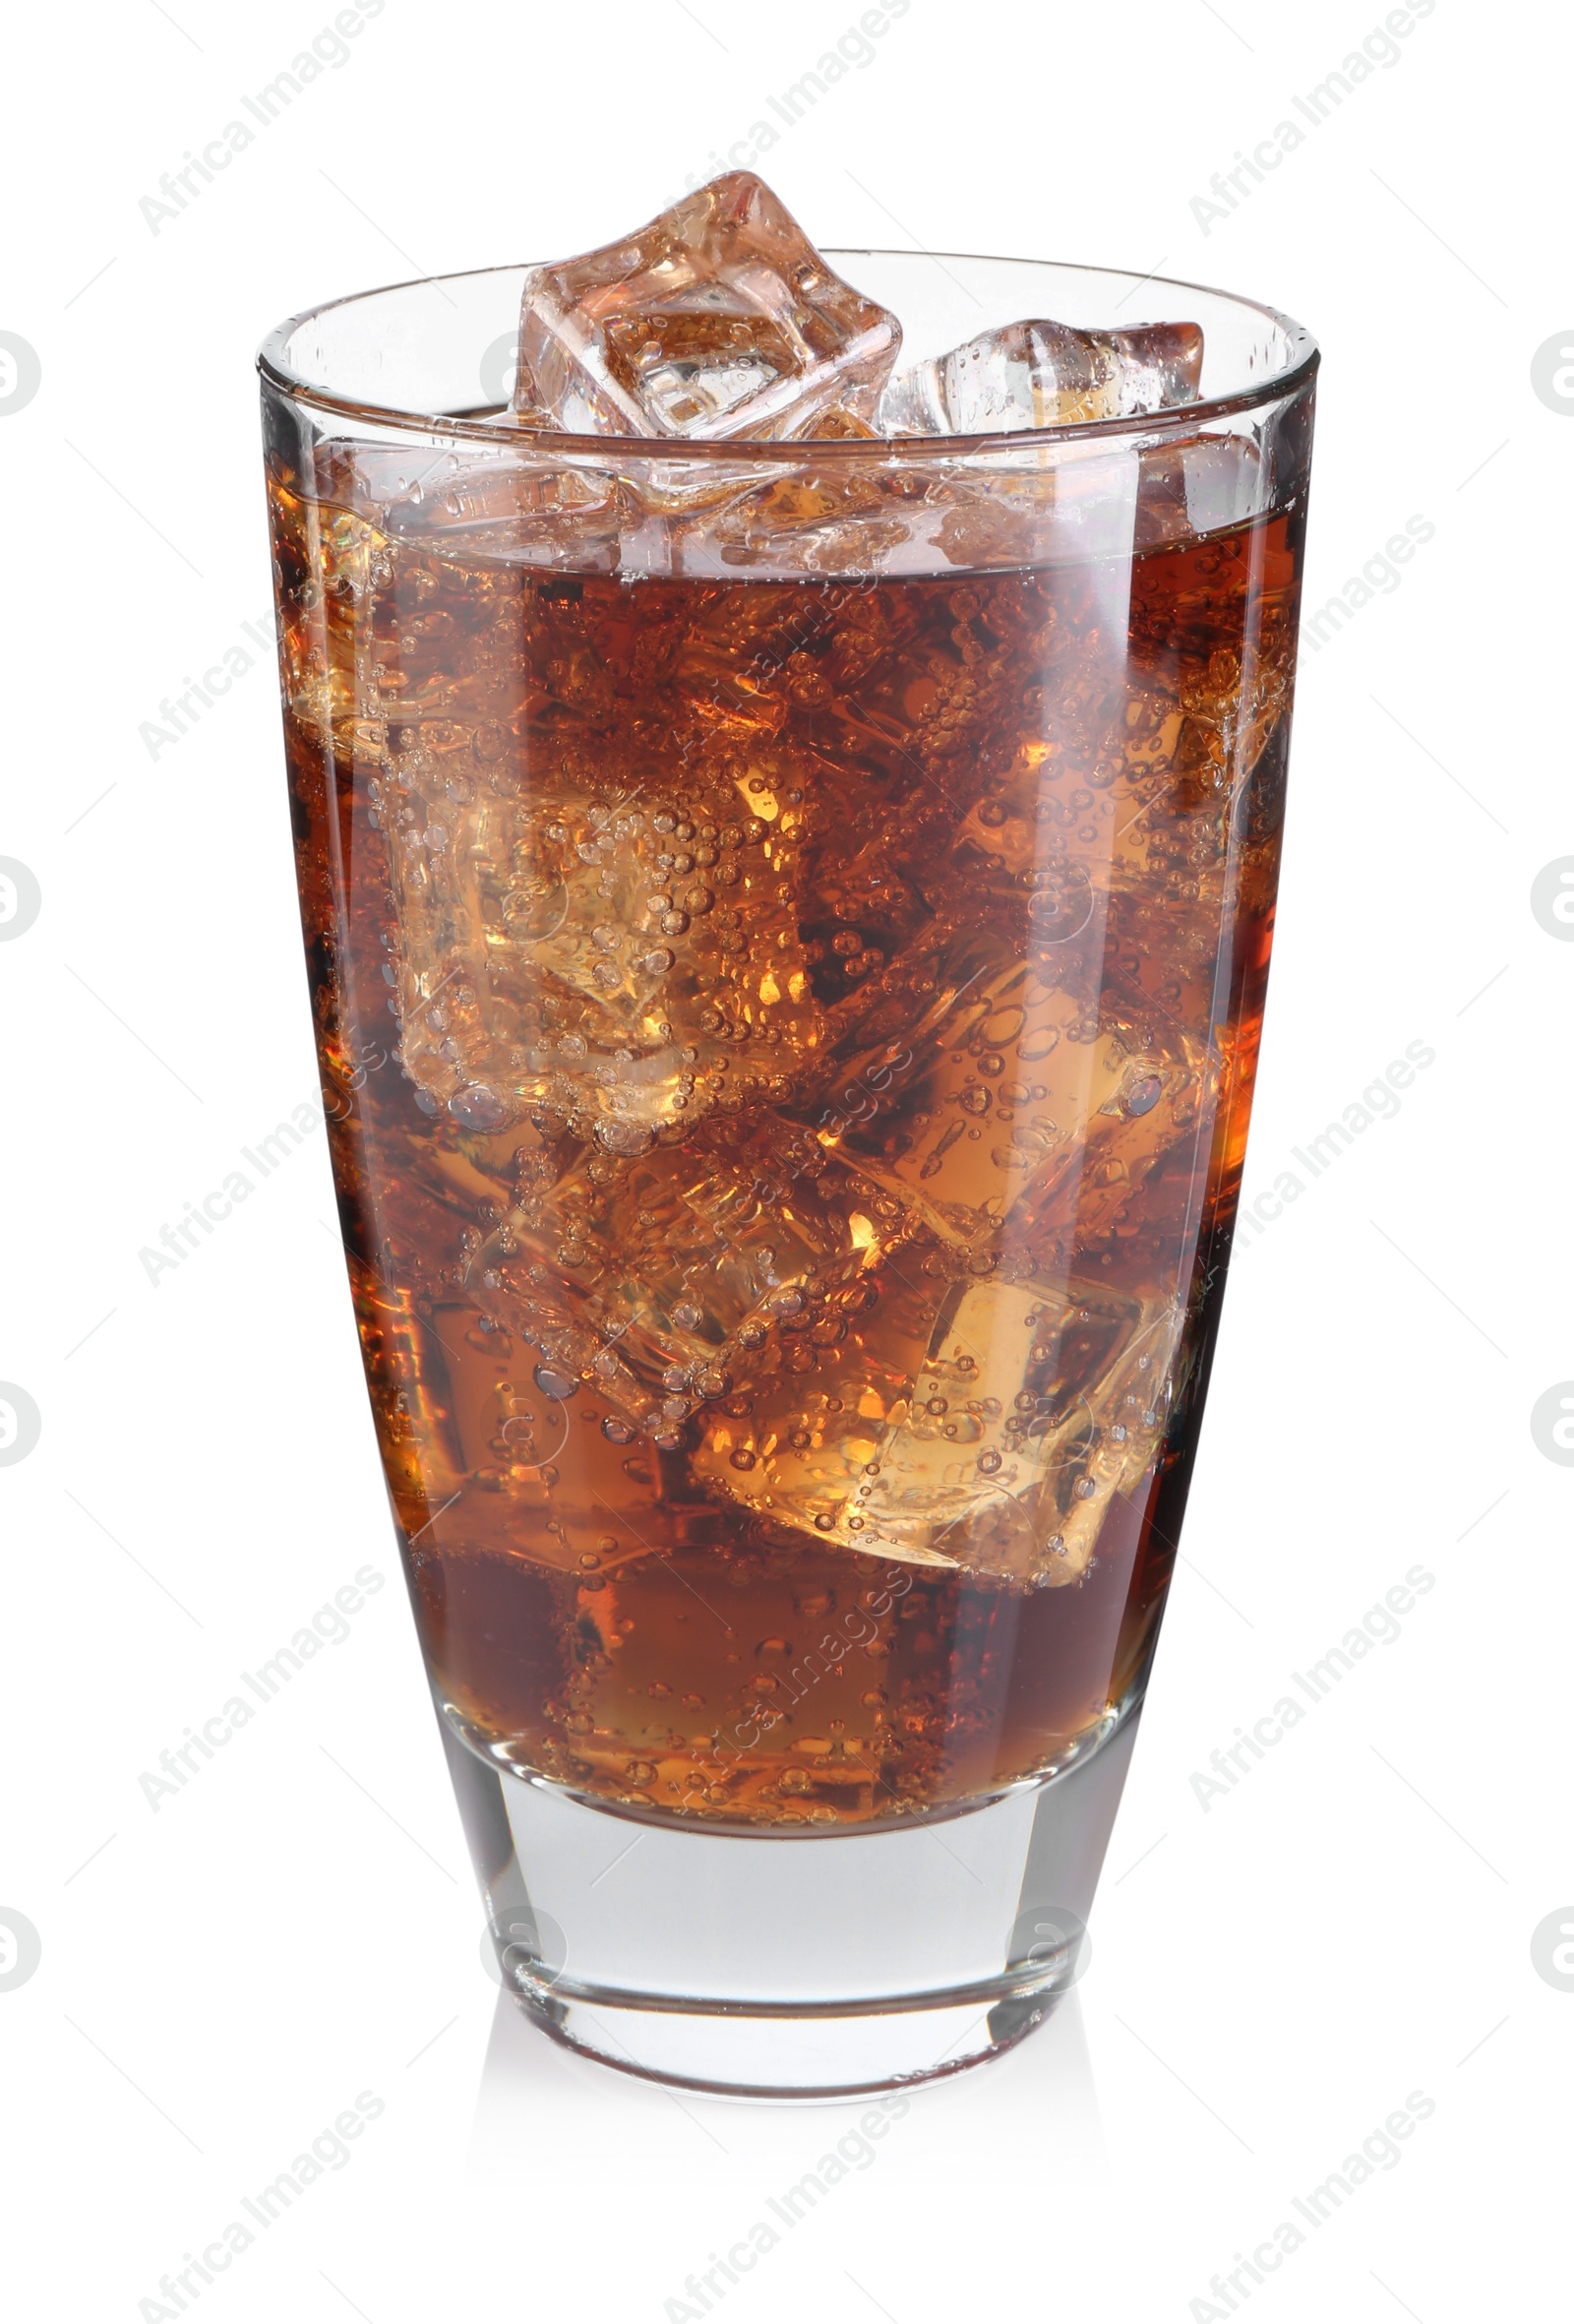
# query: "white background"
1272 1976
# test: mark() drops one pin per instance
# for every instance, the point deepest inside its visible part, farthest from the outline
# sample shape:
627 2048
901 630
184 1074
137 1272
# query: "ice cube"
1043 375
1021 1095
717 319
846 520
703 1280
562 948
1036 1407
1001 1417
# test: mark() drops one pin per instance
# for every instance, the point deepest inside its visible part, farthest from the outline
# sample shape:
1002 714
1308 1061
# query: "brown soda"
788 1045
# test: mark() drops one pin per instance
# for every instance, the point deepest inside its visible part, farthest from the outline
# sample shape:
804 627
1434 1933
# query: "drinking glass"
787 926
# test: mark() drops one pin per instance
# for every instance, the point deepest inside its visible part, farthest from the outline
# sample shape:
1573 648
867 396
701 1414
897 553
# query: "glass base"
804 1966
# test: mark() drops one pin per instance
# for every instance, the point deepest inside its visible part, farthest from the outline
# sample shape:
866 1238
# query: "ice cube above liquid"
718 318
1044 375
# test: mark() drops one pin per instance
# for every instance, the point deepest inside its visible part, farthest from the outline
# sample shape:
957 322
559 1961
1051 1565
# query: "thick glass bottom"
804 1966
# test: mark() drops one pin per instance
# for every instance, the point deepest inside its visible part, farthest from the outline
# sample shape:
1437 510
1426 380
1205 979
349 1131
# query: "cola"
788 959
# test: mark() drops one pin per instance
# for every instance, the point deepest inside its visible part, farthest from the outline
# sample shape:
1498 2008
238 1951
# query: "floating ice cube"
1043 375
1037 1405
838 521
561 949
990 1437
720 1278
1012 1104
717 319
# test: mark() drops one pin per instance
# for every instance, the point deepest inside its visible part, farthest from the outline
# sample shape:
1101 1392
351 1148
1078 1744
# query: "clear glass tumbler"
787 927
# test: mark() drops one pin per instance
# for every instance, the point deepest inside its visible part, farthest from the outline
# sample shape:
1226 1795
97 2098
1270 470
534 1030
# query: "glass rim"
1301 363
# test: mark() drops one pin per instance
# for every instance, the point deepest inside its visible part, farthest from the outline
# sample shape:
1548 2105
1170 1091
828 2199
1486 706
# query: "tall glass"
787 928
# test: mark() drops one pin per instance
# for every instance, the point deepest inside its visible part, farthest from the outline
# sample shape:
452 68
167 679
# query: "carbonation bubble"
478 1108
556 1383
625 1137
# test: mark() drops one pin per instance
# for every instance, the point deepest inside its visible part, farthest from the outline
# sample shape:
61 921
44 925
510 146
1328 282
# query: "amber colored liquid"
789 1047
